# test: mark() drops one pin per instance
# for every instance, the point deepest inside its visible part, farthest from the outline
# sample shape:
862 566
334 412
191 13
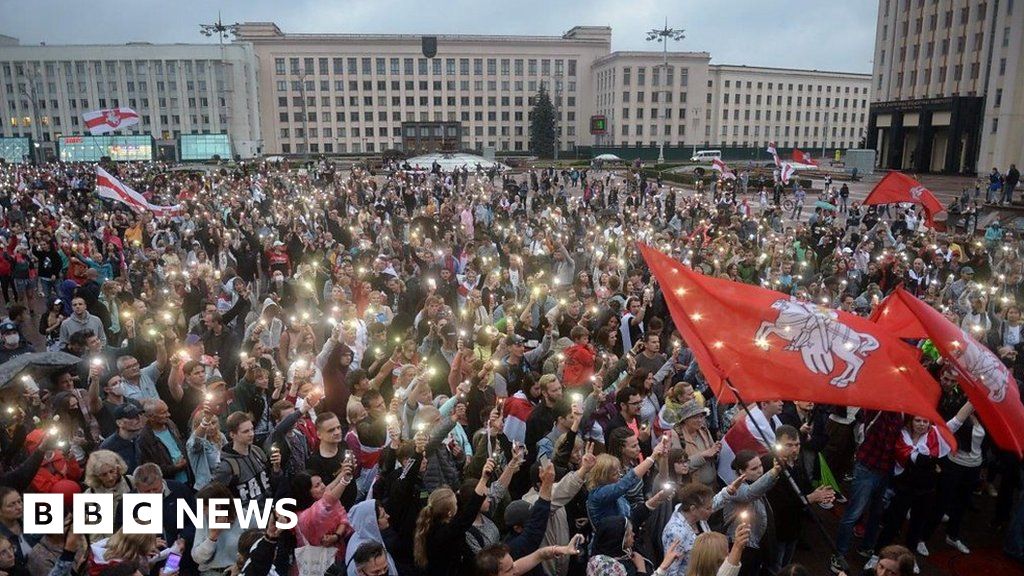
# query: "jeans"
866 493
920 505
956 484
48 288
784 552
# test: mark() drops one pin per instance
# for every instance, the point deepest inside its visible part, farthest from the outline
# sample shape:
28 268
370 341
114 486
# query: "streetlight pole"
663 36
305 116
31 74
557 90
824 135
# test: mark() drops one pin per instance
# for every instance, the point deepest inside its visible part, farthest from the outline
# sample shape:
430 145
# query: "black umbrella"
38 365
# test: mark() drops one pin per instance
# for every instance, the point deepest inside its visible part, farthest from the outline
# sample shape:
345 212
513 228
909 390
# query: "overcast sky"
824 35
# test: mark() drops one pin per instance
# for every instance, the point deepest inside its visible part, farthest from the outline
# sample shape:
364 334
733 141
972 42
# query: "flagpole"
785 467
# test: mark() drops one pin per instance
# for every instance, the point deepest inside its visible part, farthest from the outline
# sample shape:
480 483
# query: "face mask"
12 339
117 389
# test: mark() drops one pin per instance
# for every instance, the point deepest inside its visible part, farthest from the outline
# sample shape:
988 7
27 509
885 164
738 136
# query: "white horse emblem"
917 191
819 336
113 119
980 363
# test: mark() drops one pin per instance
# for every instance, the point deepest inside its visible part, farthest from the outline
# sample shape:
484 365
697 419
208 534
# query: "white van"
706 156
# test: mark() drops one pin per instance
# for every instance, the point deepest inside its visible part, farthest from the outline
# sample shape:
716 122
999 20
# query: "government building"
948 86
275 93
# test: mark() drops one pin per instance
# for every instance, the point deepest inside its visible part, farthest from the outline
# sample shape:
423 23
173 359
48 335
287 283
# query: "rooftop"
269 31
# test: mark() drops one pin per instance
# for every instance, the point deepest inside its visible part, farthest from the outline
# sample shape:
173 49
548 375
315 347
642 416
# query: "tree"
542 126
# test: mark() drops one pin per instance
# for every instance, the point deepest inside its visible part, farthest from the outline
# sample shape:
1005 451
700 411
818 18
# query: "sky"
811 34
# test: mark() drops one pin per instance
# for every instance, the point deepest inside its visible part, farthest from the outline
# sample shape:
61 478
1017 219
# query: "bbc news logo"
144 513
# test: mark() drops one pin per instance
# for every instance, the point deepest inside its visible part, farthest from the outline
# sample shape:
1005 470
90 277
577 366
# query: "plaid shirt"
878 452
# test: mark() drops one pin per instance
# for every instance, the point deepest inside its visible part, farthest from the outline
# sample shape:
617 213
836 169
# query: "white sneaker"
917 569
959 545
922 549
872 562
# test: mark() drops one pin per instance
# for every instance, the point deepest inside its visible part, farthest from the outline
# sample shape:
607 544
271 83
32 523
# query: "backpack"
233 462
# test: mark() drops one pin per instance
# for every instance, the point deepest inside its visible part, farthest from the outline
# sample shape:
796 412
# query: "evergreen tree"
542 125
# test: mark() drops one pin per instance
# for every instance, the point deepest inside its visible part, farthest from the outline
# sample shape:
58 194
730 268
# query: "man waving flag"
988 383
770 346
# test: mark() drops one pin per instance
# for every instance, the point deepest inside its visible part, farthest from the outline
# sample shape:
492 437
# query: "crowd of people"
467 372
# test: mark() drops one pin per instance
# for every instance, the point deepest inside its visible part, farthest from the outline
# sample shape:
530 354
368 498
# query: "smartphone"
173 560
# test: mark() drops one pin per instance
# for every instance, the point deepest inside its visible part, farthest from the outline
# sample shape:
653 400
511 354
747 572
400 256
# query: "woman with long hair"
441 527
608 486
918 452
323 521
11 513
203 448
49 324
9 564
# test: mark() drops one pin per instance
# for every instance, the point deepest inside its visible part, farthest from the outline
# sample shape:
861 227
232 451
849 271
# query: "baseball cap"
517 513
8 326
127 410
964 270
517 340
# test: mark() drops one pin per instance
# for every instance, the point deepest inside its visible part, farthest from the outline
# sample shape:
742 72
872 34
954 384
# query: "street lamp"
219 29
664 35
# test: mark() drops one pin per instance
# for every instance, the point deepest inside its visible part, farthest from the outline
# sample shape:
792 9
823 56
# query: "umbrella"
825 205
37 364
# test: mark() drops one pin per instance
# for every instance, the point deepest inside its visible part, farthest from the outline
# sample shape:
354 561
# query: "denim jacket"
203 458
610 499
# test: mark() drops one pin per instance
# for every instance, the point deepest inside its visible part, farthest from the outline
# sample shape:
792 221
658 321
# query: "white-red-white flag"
109 120
786 171
111 188
720 166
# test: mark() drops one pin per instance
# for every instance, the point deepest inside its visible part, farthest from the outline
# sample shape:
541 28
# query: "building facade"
350 93
346 93
177 89
281 93
948 85
806 109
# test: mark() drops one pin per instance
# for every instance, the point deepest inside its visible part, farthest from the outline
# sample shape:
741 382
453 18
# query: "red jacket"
579 365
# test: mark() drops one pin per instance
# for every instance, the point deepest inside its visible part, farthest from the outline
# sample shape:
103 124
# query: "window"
999 98
279 65
995 125
337 66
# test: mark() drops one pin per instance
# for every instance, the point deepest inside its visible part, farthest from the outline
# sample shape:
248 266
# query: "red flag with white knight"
109 119
771 346
988 383
801 157
897 187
